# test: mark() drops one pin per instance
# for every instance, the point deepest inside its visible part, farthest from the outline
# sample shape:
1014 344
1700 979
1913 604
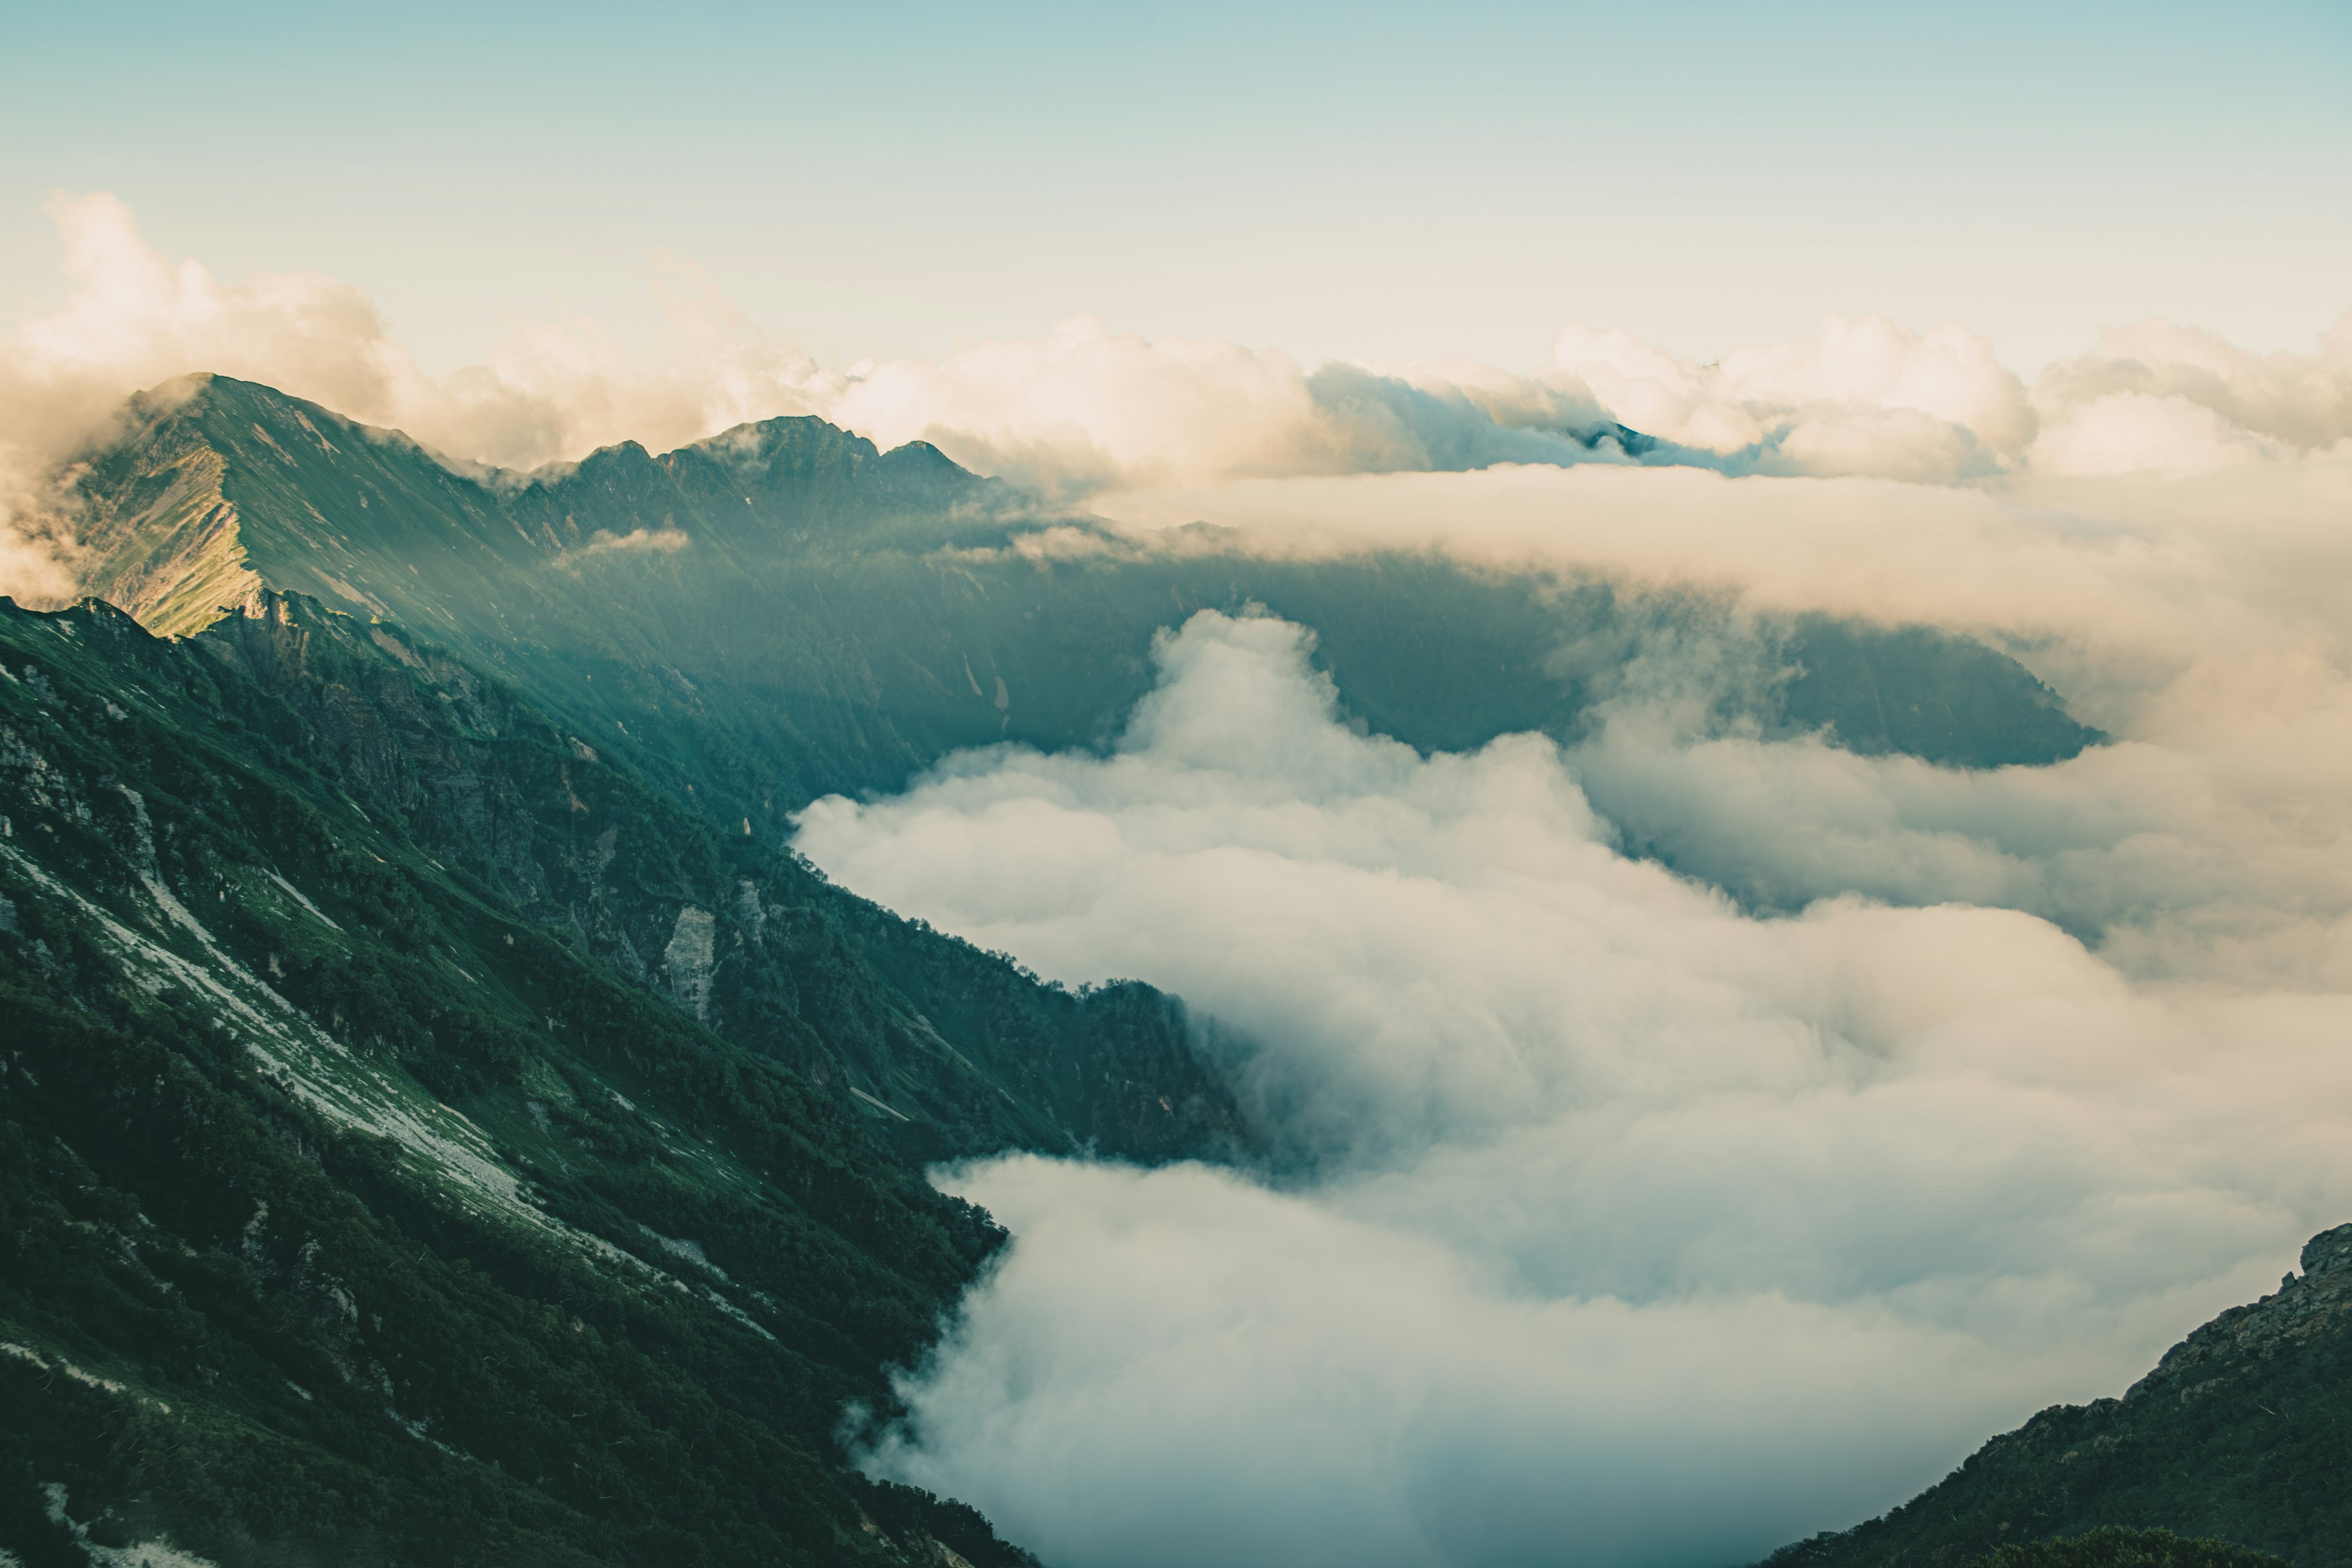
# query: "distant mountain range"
440 1120
782 611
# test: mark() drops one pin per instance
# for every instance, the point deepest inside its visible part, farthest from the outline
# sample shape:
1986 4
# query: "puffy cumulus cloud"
1867 396
1863 396
1615 1224
2192 616
1087 408
2162 396
1179 1367
1090 403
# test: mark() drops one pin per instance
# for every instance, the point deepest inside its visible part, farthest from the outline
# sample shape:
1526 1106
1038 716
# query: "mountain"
441 1122
2239 1433
421 1140
2115 1547
783 611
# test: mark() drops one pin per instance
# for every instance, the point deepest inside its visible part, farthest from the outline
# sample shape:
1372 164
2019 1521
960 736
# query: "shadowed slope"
2237 1434
368 1201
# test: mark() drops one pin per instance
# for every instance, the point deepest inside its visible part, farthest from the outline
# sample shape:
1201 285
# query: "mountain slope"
364 1203
2239 1433
783 611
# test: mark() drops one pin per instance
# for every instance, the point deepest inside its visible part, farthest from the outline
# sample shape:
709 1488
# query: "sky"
1370 183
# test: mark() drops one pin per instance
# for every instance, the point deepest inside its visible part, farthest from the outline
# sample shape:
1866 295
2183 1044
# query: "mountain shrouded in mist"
784 612
457 1119
1212 786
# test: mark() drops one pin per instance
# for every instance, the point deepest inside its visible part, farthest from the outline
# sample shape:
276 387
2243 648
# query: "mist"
1685 1140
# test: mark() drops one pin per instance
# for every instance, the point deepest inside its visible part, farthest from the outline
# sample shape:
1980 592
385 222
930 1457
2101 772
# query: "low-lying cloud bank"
1623 1224
1652 1216
1087 410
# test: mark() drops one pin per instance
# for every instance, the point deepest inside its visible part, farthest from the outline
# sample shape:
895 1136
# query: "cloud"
636 542
1180 1366
2158 396
1608 1215
1863 396
1085 410
133 318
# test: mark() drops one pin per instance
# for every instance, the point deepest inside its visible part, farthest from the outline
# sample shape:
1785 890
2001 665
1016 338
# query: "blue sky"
1364 181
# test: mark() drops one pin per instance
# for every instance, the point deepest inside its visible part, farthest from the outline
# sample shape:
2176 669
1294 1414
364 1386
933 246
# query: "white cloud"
1605 1197
131 319
1179 1367
1863 396
2134 432
2153 375
636 542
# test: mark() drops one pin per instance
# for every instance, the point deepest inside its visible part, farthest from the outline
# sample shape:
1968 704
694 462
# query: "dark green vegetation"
2240 1433
421 1142
2116 1547
782 611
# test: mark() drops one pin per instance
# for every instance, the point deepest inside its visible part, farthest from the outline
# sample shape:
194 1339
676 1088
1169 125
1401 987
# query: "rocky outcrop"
2304 1310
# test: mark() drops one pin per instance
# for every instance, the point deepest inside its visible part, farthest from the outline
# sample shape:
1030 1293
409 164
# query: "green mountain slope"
422 1140
2115 1547
2237 1434
783 611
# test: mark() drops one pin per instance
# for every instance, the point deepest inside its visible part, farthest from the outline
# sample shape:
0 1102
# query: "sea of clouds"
1616 1213
1611 1222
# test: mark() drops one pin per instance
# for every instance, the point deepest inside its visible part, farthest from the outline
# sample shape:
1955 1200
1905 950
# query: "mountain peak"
215 488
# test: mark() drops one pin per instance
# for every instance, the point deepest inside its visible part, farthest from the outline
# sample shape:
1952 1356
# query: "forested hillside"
2237 1434
422 1142
783 611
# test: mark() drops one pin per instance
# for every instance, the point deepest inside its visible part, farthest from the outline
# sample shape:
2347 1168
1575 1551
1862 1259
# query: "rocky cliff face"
2239 1433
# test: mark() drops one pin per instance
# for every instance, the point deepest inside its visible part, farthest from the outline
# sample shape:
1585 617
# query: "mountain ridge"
2234 1434
784 611
339 1138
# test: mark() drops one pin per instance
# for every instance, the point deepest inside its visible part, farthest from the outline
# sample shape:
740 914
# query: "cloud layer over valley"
1688 1140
